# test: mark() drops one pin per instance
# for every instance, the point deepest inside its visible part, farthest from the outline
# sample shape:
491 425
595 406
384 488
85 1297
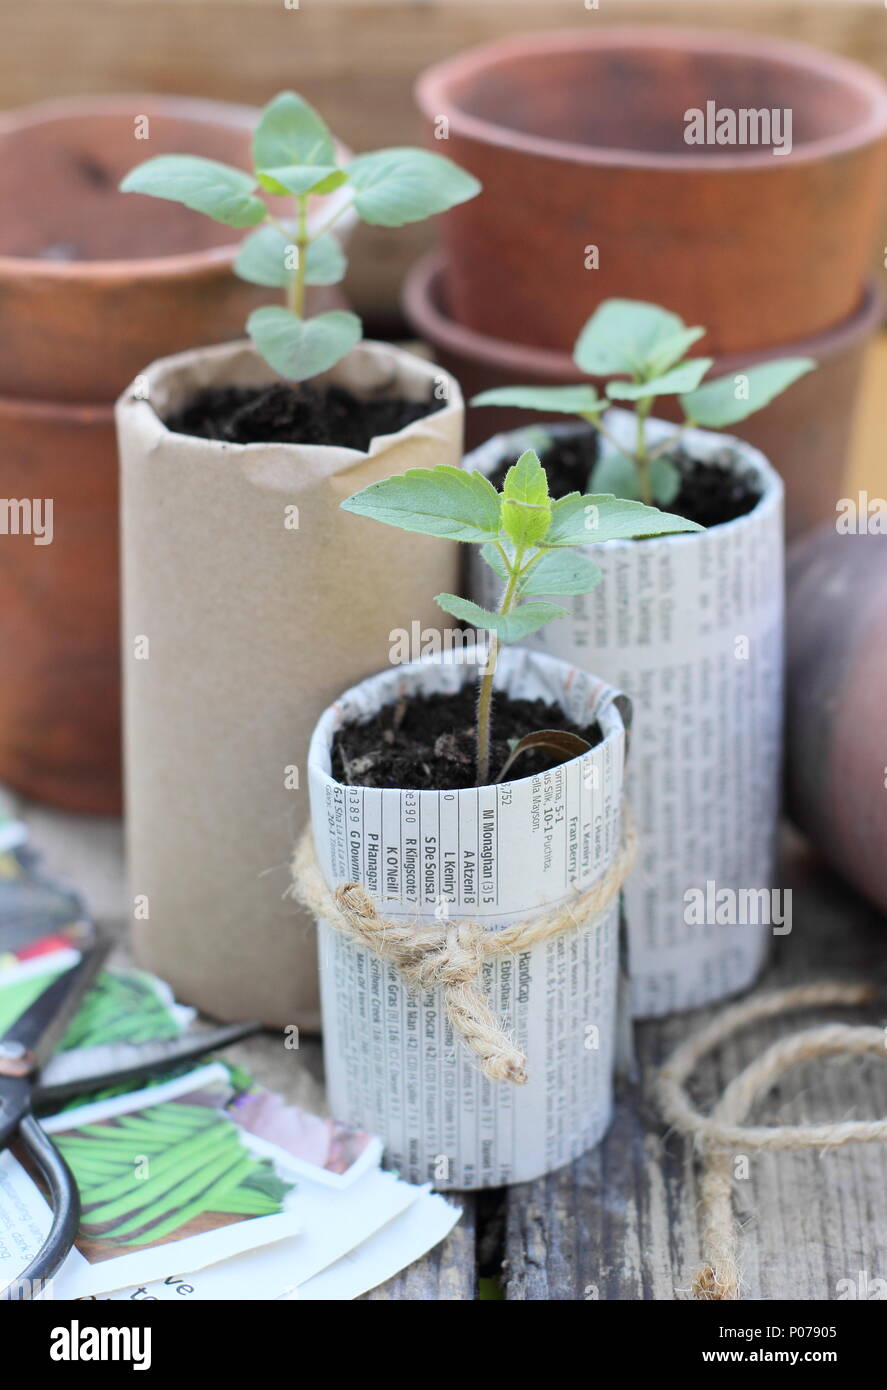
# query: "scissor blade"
41 1027
87 1069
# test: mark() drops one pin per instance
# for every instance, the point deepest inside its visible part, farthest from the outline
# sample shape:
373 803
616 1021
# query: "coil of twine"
718 1134
452 953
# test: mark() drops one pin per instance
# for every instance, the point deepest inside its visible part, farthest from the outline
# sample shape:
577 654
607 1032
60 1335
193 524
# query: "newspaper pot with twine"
691 628
469 939
250 601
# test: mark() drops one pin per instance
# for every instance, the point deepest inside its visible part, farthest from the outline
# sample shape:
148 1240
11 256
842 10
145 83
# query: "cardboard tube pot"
691 628
593 190
806 430
250 600
93 285
499 853
836 724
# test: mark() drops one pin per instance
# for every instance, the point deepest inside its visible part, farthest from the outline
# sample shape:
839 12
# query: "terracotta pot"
95 284
578 139
836 731
805 432
59 702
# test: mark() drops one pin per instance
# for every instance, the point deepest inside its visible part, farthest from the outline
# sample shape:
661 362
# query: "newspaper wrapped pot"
691 627
250 601
497 854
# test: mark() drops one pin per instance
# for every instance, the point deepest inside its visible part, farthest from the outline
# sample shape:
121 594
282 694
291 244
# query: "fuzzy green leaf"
293 150
686 377
265 255
731 398
510 627
578 520
447 502
220 191
401 185
560 572
301 348
564 400
622 337
665 480
616 474
493 557
670 350
526 505
325 262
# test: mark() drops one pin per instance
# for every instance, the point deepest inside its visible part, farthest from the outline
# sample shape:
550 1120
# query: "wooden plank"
622 1222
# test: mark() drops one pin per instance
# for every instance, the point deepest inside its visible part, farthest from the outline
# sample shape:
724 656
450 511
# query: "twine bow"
451 954
722 1131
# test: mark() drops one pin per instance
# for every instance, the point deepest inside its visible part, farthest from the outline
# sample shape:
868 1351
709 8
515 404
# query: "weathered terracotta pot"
836 726
93 285
59 701
805 431
578 139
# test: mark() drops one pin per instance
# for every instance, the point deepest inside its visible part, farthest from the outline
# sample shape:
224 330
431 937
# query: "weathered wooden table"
622 1222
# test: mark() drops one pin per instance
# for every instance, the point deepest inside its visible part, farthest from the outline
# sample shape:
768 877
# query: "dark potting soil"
303 414
427 742
712 491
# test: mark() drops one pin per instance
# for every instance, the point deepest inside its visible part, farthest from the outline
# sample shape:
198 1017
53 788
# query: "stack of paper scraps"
205 1186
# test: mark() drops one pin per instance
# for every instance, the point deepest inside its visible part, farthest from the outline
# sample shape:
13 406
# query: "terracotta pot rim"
57 412
221 351
433 94
181 265
424 290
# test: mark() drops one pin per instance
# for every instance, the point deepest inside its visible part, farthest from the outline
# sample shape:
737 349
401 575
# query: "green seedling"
527 539
295 156
642 349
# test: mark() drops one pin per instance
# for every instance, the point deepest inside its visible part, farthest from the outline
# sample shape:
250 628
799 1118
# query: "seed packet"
167 1180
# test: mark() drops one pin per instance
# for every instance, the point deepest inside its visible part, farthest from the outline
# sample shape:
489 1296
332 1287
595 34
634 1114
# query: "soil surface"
290 414
427 743
714 491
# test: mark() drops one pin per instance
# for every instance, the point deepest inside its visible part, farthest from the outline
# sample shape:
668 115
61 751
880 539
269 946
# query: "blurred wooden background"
356 59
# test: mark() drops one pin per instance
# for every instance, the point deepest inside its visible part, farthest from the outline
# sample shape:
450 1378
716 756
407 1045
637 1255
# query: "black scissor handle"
64 1200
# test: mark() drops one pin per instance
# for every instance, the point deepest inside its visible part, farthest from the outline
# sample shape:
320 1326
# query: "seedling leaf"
731 398
578 519
219 190
301 348
293 149
622 337
559 572
509 627
686 377
446 502
564 400
401 185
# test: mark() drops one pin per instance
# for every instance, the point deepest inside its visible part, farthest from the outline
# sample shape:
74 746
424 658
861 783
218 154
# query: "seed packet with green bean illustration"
167 1179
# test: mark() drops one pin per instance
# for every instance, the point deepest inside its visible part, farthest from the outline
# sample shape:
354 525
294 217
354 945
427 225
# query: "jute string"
451 954
722 1132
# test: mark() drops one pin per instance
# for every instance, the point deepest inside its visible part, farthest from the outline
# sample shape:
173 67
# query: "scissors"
32 1078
